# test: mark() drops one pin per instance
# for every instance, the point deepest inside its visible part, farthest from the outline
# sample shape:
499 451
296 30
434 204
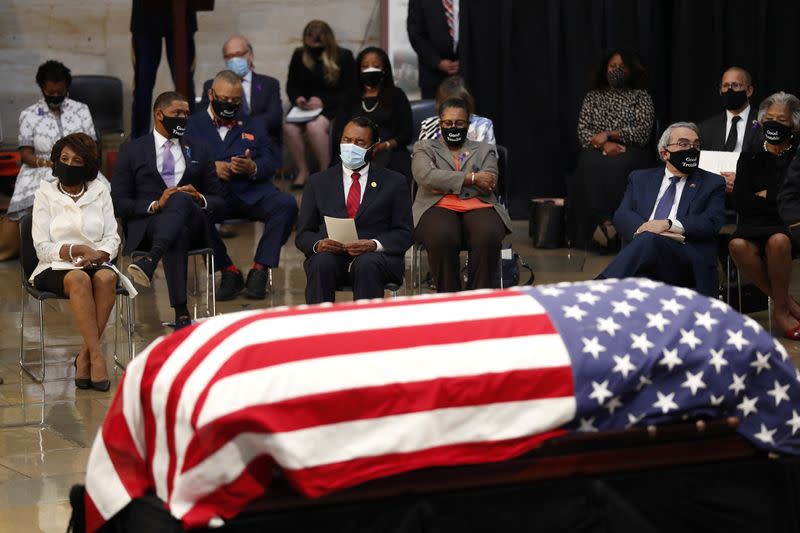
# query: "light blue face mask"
353 156
239 66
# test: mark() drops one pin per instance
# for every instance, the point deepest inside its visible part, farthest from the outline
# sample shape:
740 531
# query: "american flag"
338 395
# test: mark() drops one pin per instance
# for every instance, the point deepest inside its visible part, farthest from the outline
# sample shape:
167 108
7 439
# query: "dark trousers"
445 233
146 58
366 273
277 210
653 256
179 227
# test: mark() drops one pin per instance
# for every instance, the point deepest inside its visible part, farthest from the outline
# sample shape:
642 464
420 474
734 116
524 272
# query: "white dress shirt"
741 127
677 227
180 164
177 155
347 181
59 220
247 86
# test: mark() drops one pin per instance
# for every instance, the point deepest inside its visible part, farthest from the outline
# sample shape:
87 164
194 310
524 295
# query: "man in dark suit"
261 95
670 216
432 27
736 128
165 191
245 159
377 199
151 24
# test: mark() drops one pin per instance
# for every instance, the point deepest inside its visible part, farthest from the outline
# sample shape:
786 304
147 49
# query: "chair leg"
739 288
212 285
500 270
24 364
769 313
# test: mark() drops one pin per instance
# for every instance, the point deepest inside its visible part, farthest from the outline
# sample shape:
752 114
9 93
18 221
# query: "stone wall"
93 37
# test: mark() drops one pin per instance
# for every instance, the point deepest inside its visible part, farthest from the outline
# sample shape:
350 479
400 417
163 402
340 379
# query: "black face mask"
371 78
225 110
175 126
69 175
54 102
775 132
733 99
315 51
685 160
617 78
455 136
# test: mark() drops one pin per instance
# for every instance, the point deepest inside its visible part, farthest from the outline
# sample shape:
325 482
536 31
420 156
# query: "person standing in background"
733 130
151 22
432 27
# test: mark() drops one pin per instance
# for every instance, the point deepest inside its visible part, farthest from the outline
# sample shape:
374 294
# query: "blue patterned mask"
239 66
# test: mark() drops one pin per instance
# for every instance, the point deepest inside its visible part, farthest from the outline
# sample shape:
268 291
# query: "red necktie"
354 196
449 15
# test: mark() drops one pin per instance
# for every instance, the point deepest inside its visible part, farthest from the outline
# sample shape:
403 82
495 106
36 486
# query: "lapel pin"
373 184
692 185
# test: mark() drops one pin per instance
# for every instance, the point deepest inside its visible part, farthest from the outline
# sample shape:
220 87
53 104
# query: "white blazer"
59 220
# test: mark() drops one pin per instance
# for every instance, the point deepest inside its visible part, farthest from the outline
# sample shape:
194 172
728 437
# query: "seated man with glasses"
245 158
670 216
735 129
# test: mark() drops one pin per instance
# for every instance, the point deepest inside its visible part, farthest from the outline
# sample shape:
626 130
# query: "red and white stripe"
334 395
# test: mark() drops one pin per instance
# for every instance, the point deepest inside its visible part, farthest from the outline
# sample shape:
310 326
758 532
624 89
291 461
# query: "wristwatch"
669 224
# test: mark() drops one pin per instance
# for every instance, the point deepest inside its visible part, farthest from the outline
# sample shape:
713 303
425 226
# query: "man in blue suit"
377 199
670 217
165 191
261 95
245 159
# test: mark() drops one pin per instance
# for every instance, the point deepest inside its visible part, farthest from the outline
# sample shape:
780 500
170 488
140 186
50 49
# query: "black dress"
596 187
311 82
758 217
392 114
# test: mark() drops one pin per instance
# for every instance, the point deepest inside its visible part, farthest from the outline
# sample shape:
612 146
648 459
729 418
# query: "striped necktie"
448 14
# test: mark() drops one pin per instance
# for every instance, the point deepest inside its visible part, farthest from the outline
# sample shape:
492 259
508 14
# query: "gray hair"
667 135
781 98
246 42
227 76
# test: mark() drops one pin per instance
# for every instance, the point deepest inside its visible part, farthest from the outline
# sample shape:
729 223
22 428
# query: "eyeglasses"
452 123
685 145
735 86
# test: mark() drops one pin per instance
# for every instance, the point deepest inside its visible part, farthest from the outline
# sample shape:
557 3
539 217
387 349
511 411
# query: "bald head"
737 74
238 46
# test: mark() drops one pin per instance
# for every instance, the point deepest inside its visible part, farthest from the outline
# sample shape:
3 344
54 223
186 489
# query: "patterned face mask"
617 77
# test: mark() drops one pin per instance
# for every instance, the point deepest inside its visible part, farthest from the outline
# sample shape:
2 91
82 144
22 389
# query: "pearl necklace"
778 153
364 106
73 195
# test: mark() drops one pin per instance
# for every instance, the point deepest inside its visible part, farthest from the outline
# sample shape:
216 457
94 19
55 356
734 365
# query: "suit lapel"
651 192
444 154
233 134
150 157
689 190
186 152
748 128
338 191
372 185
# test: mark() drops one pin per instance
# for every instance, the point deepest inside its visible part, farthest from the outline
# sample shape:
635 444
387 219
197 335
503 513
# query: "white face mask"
353 156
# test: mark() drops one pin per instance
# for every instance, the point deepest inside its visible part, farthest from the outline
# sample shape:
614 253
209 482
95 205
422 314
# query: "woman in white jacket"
75 235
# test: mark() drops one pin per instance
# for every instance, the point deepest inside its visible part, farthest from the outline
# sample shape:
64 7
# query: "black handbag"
546 227
512 265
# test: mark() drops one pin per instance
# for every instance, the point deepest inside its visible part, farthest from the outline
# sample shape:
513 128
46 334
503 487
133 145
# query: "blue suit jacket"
248 133
701 211
137 183
384 213
265 102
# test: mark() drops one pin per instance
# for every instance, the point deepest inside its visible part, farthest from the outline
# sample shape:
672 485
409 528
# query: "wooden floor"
46 429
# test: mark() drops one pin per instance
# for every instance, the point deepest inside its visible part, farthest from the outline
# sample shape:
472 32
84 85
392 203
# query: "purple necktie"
168 167
665 204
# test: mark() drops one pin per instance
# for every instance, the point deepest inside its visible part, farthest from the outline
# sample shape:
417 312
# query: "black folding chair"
27 262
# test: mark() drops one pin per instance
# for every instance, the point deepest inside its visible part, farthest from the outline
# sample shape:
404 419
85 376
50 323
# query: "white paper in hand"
342 230
716 161
298 115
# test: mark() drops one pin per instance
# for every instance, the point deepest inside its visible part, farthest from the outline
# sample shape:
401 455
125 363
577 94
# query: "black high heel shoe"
81 383
102 386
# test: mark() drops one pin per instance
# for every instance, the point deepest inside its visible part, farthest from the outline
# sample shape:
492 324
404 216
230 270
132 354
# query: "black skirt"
53 280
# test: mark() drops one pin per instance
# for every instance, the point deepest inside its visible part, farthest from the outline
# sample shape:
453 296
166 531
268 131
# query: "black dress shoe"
81 383
256 286
142 270
230 285
183 321
102 386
